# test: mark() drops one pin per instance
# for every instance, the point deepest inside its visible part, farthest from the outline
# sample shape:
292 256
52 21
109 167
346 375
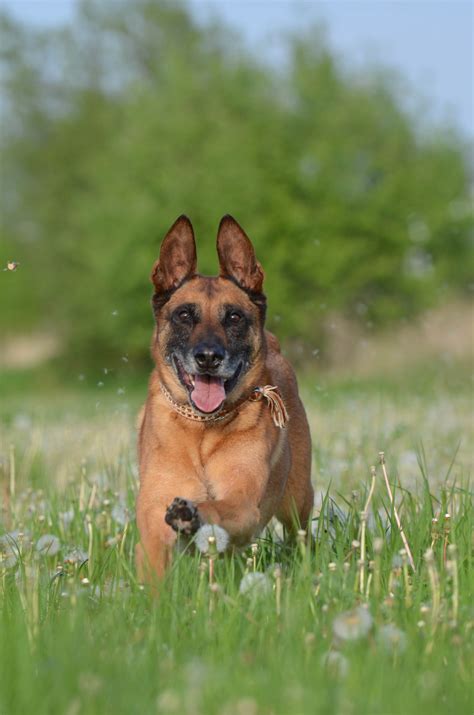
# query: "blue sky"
429 41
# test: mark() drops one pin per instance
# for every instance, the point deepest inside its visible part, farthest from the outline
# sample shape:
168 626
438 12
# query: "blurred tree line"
136 113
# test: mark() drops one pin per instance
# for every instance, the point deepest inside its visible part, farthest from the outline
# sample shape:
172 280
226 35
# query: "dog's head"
209 344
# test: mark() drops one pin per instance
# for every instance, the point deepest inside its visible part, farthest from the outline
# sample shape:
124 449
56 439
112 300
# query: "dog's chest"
202 451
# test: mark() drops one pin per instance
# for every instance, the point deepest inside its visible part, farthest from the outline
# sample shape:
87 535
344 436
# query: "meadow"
339 623
359 204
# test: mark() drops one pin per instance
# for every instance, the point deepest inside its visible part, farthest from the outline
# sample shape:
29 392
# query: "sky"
430 42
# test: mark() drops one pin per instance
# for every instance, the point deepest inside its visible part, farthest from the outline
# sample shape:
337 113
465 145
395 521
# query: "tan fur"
241 471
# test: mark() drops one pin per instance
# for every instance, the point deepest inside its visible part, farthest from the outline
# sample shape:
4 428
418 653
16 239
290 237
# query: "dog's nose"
209 357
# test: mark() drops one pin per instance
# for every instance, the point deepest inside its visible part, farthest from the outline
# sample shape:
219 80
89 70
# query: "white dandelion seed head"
16 537
391 638
201 538
274 570
336 663
121 514
48 545
397 561
10 544
255 584
76 556
195 672
378 545
66 517
350 625
8 551
113 541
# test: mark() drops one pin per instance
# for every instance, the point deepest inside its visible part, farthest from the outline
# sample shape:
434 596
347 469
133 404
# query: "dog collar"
271 393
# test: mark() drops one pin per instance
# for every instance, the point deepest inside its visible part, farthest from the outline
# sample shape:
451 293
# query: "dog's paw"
182 515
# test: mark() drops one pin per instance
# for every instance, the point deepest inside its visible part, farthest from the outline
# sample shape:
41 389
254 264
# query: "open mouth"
207 392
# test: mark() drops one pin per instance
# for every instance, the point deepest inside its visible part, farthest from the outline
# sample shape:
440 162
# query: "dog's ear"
237 257
177 260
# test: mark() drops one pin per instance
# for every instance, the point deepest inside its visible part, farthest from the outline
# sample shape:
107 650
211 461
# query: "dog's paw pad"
182 515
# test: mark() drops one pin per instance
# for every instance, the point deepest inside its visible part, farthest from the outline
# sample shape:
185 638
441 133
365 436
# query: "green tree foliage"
114 126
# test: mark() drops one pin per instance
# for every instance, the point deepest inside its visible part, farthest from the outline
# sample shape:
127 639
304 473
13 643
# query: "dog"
223 435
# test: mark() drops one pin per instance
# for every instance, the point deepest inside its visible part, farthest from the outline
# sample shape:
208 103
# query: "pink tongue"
208 393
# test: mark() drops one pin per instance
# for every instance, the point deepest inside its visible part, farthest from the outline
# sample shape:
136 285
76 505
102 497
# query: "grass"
321 630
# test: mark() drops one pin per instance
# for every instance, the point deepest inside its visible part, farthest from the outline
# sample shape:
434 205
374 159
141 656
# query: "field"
339 625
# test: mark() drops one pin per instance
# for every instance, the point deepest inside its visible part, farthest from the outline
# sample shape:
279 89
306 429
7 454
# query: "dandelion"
76 556
48 545
350 625
336 663
22 422
120 514
8 551
220 535
15 538
255 584
397 562
334 518
66 517
113 541
378 545
391 638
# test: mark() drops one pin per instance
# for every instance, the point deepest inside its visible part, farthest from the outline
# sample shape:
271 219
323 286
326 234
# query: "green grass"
85 638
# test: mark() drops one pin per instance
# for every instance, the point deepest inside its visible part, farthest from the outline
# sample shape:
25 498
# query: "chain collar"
271 393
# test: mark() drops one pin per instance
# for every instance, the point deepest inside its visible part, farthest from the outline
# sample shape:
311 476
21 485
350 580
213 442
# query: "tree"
135 114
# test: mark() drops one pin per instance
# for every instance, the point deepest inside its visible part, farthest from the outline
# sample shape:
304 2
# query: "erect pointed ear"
177 260
237 257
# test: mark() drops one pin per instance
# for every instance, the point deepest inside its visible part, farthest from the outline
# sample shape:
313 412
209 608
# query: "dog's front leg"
154 551
238 493
238 514
238 477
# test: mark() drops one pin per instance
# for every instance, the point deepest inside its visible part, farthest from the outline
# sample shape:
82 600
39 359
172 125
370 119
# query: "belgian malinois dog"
223 435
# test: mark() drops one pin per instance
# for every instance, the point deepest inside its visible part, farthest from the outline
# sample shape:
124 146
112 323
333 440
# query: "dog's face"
209 343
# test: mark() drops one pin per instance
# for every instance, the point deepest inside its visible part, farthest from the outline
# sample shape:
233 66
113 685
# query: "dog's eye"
234 318
184 316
